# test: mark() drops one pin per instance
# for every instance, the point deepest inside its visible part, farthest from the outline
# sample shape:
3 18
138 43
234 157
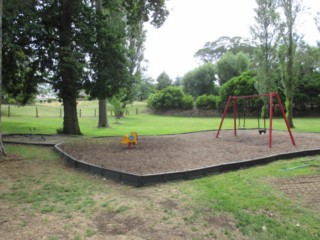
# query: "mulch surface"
176 153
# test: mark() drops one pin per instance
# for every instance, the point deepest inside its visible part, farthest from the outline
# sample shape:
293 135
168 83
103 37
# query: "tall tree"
120 37
51 41
20 67
291 10
317 22
163 81
1 11
266 35
2 150
67 89
213 51
109 55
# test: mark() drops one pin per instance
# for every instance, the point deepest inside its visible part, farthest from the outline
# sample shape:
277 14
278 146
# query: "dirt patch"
170 153
302 188
38 138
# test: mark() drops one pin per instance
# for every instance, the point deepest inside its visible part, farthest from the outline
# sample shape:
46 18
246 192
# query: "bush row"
173 98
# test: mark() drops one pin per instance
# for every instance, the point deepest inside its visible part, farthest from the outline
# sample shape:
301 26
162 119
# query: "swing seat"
262 131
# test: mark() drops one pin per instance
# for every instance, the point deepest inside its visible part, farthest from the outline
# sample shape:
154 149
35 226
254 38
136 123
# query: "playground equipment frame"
271 96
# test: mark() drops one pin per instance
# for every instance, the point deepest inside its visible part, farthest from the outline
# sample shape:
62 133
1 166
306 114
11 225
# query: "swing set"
261 130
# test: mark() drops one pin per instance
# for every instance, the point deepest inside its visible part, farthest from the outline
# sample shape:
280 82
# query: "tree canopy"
58 42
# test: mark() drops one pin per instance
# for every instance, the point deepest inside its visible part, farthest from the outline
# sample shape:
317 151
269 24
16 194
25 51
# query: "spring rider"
131 140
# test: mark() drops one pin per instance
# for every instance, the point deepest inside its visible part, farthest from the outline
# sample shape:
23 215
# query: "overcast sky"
192 23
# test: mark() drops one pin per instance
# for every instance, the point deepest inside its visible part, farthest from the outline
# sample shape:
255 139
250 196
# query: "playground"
184 152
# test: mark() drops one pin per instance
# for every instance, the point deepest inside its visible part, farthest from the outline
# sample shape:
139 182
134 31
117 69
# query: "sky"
192 23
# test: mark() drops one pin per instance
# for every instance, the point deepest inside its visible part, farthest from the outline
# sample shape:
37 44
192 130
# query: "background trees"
200 81
231 65
163 81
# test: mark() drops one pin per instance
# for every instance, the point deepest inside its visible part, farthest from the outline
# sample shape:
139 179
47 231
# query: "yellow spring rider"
130 139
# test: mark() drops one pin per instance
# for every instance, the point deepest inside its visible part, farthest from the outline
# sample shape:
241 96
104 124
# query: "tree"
307 62
109 62
144 87
119 50
1 11
163 81
317 22
20 66
230 65
200 81
213 51
266 35
290 9
238 86
54 39
2 150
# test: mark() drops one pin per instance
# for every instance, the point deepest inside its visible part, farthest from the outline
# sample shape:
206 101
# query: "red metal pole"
223 116
285 118
235 116
270 118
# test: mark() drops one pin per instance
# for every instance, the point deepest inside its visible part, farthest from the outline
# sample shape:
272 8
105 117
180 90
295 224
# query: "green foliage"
144 88
187 102
231 65
207 102
168 98
163 81
69 43
307 92
213 51
117 106
200 81
238 86
265 35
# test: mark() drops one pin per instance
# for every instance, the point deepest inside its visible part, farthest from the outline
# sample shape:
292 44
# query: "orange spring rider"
131 140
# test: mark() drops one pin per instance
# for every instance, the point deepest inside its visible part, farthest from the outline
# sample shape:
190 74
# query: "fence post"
80 112
37 115
137 111
60 112
9 111
95 112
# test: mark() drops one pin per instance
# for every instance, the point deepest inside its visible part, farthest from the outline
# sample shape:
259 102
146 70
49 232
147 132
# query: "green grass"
49 191
260 211
249 197
23 119
45 186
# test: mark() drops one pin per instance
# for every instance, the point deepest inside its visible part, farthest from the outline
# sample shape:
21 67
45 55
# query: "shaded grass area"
237 205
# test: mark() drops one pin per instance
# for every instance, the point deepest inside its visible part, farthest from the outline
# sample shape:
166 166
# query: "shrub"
207 102
168 98
187 102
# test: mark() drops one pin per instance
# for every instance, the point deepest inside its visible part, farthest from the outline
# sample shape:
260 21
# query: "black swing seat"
264 131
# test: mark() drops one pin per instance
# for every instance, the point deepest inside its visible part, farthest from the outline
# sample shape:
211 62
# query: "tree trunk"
1 11
2 149
68 83
70 119
103 119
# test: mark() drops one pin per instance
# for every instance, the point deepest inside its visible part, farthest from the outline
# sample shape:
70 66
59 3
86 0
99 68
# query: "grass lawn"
22 119
43 198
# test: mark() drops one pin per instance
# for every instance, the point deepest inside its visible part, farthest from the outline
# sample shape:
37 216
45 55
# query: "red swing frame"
271 97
